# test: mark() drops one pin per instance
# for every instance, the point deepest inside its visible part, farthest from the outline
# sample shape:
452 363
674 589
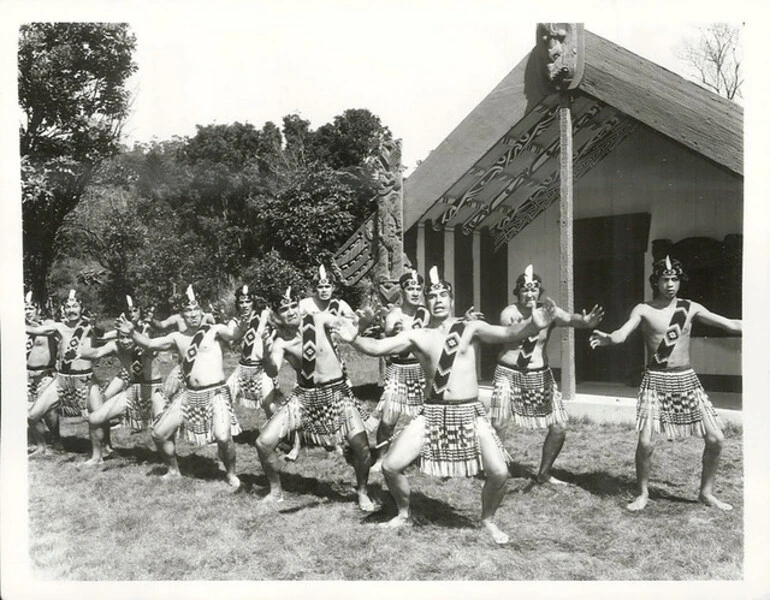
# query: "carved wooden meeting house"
652 165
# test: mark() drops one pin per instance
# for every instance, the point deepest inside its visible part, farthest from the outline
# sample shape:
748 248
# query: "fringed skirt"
174 383
138 415
675 402
72 389
531 396
198 408
38 378
249 384
324 414
403 393
451 445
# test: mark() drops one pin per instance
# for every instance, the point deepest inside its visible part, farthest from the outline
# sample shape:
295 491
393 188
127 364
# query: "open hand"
473 315
593 318
599 338
345 329
543 316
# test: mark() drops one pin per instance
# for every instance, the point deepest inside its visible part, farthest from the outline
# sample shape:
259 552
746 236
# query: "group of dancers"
431 381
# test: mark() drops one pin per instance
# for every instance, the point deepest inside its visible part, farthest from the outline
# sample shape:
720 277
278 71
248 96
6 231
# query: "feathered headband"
529 281
435 283
243 292
28 299
323 276
411 277
189 300
72 298
667 266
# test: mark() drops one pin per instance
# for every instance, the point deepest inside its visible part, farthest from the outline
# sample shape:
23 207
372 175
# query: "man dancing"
140 402
404 377
452 436
671 398
248 382
203 406
321 406
69 391
323 299
41 372
523 383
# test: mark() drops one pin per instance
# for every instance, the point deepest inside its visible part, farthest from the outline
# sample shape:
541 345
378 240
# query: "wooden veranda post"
561 47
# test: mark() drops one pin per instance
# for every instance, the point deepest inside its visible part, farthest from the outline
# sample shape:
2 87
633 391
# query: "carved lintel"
561 50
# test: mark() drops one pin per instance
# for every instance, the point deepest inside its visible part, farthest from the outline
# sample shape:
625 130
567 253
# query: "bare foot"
397 522
107 451
171 475
550 479
711 500
272 498
38 452
498 536
233 481
639 503
92 462
292 455
366 504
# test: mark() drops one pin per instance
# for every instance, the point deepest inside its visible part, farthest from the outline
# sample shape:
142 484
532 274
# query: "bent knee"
497 475
714 439
559 429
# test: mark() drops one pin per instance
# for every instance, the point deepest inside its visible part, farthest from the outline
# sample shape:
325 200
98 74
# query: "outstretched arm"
49 328
165 342
91 353
165 323
599 338
705 316
347 331
580 321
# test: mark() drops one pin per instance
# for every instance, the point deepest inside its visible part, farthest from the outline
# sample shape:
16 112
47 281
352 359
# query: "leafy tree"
351 139
72 93
715 57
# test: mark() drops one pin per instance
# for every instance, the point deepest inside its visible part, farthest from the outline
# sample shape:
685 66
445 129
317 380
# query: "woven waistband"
74 373
451 402
151 382
520 370
404 361
659 369
43 368
249 363
308 385
205 388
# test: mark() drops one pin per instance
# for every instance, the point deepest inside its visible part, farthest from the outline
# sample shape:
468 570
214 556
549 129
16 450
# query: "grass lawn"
121 522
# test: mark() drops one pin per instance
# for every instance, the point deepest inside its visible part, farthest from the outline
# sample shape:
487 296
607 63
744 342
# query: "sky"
421 69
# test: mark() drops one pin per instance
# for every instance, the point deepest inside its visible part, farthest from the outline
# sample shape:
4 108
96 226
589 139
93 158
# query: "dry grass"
123 523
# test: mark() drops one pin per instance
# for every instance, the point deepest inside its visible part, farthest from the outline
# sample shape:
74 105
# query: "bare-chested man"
671 398
452 436
404 377
140 402
69 391
249 383
323 299
41 371
523 383
203 406
174 382
322 405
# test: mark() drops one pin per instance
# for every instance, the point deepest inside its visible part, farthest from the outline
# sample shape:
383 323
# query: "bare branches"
714 57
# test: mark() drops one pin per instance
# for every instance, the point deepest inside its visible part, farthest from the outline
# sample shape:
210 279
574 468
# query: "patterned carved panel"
356 257
604 140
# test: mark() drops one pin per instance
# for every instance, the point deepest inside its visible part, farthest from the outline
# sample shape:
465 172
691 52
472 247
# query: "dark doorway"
609 270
